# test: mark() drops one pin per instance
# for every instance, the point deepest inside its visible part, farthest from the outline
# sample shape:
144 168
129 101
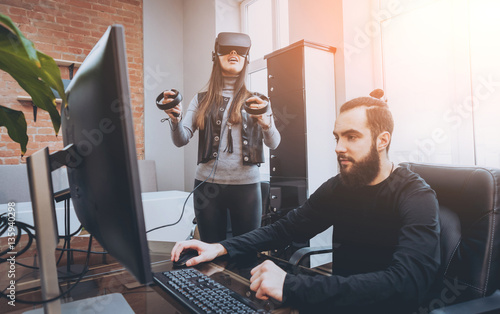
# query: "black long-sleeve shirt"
389 250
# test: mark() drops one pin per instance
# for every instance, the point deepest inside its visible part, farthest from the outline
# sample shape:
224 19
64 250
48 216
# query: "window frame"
279 29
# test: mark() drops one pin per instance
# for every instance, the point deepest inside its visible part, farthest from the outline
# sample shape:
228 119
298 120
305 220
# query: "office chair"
469 201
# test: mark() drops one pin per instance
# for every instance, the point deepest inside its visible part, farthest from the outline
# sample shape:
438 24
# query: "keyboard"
200 294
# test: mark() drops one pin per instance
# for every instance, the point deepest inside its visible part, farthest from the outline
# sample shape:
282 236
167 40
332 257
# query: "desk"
110 277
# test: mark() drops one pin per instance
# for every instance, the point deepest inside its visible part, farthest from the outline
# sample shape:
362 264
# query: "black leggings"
211 202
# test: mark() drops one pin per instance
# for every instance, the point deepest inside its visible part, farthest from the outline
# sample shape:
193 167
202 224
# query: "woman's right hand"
177 109
206 251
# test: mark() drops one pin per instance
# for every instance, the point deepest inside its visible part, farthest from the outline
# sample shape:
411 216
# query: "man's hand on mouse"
206 251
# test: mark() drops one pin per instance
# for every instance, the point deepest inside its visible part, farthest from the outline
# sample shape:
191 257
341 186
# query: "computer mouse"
184 257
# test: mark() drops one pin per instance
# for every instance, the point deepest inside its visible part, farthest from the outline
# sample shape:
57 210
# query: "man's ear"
383 141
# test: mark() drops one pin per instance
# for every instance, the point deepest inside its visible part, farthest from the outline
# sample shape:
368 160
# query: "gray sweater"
229 168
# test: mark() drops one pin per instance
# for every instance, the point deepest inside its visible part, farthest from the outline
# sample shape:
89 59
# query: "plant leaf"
35 80
27 45
15 123
50 74
49 71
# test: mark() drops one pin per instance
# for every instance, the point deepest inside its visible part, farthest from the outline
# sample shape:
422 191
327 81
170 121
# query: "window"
266 22
441 65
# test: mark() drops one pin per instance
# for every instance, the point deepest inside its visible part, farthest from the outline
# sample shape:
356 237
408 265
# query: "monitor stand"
71 270
40 166
107 303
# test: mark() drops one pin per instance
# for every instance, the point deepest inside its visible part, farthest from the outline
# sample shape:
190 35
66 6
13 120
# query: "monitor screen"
103 173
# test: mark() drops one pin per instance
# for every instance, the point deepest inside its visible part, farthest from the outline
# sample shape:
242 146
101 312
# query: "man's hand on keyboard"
267 281
206 251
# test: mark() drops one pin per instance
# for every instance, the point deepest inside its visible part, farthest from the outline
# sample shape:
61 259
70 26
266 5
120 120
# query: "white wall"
227 13
361 39
195 23
178 42
203 20
320 21
199 35
163 38
349 27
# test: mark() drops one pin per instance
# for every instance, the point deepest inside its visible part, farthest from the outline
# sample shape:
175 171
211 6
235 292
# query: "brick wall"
68 29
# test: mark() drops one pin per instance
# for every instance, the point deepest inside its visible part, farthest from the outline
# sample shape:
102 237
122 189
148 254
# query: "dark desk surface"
107 277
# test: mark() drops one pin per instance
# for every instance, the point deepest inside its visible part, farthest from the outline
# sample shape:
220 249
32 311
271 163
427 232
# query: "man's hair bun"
377 93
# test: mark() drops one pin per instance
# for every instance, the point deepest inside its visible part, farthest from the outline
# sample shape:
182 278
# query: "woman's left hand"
264 120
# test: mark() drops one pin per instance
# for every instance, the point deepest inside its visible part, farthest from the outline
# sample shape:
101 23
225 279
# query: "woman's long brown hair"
208 105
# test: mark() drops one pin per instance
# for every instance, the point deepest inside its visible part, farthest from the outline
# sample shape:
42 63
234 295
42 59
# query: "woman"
230 148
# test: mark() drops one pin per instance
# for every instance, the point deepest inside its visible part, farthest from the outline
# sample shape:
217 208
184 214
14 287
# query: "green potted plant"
35 72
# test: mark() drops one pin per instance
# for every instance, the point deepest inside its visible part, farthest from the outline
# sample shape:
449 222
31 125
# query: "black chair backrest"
469 200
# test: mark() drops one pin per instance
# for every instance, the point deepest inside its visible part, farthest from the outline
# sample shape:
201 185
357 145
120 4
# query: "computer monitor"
101 162
103 175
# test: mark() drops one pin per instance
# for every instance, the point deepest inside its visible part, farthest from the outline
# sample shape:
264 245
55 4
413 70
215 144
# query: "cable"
183 208
86 269
83 251
187 198
62 253
20 226
22 277
73 234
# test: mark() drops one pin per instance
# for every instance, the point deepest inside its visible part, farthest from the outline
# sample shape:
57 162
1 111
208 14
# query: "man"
385 218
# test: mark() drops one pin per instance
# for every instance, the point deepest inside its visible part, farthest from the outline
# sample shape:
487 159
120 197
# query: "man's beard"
362 172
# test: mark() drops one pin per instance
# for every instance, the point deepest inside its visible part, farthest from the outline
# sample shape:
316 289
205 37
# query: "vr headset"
227 42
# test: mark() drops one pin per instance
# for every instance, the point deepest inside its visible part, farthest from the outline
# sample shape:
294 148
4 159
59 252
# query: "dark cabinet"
301 87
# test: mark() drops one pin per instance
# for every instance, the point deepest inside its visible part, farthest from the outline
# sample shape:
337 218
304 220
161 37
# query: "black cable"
187 198
22 277
62 253
4 228
20 226
86 269
83 251
183 208
74 233
27 266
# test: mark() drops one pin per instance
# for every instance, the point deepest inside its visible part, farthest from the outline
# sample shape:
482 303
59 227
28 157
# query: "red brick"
77 17
79 4
27 29
45 138
69 30
46 7
49 131
131 14
62 20
12 160
17 4
11 145
76 30
78 24
132 7
5 153
103 8
19 19
132 2
105 2
17 11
